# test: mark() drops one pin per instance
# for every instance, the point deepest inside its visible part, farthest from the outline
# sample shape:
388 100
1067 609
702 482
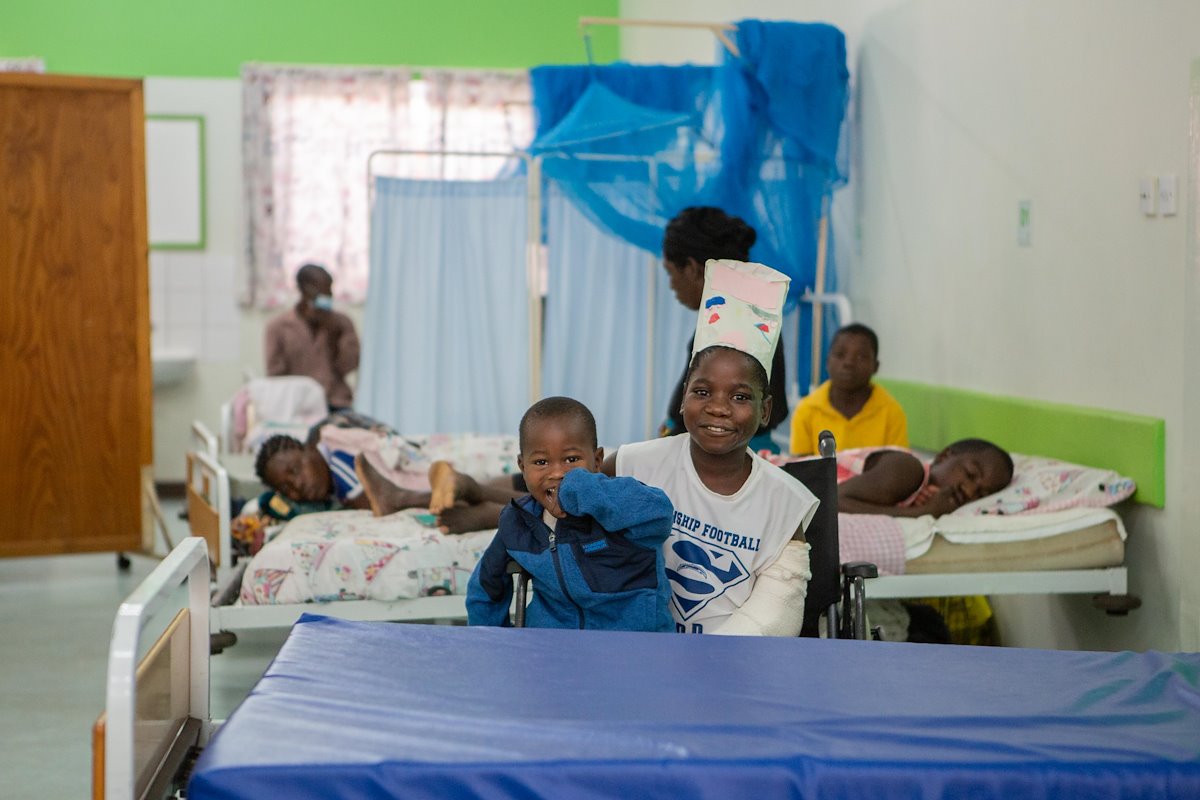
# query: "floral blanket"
353 555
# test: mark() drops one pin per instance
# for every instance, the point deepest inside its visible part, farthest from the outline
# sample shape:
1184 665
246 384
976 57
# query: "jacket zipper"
562 583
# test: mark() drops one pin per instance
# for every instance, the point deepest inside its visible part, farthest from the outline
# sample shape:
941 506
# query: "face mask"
323 302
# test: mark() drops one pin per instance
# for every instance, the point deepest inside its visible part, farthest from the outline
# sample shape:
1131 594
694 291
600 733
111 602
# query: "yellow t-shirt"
881 422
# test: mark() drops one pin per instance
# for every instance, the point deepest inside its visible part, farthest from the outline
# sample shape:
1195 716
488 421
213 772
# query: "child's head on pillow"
296 471
971 469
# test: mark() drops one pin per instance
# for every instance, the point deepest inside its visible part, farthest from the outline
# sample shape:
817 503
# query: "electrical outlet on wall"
1148 196
1025 223
1167 195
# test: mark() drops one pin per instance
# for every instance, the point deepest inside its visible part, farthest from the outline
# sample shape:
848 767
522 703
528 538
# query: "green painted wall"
212 38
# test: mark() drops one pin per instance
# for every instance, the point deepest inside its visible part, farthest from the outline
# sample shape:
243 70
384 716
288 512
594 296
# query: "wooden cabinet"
75 385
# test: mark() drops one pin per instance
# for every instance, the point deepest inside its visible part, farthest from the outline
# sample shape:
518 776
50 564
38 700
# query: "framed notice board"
175 181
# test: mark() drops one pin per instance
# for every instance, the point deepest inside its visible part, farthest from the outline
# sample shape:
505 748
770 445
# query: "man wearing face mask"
314 340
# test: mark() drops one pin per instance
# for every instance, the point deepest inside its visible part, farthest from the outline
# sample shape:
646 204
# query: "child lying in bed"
353 467
593 544
303 478
893 481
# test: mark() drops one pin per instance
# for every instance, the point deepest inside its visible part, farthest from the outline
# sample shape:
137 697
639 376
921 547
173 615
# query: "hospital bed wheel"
1116 605
123 562
217 642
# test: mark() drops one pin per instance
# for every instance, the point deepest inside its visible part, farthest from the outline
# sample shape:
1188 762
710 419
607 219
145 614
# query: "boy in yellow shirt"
858 412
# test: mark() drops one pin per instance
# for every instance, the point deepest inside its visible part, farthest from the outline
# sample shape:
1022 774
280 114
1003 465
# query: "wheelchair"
836 591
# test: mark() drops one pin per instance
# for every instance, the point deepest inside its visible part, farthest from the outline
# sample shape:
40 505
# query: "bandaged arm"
775 606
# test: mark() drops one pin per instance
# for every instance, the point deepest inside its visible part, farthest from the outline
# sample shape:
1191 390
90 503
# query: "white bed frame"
138 750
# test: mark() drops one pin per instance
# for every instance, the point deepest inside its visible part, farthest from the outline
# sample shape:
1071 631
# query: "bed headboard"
1130 444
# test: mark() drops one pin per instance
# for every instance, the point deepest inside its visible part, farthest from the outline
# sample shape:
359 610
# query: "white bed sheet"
980 529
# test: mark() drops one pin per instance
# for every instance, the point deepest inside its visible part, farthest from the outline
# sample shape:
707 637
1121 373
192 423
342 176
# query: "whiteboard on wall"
175 182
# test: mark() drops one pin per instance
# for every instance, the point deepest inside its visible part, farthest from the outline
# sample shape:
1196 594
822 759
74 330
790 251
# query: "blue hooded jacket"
601 567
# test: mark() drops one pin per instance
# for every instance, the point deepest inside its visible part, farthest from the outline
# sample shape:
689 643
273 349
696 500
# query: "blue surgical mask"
324 302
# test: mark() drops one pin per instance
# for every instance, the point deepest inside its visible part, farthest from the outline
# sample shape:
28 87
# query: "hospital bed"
219 469
413 711
1087 555
209 519
435 711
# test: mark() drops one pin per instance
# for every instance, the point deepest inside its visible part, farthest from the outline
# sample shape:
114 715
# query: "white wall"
1189 601
214 377
194 293
963 110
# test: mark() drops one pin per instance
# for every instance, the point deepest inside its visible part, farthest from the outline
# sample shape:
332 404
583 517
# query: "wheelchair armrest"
860 569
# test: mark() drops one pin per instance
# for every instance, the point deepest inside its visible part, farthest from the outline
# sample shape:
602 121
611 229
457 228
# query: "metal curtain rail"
719 29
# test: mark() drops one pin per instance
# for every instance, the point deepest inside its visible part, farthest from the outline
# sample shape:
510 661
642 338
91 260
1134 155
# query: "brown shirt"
327 355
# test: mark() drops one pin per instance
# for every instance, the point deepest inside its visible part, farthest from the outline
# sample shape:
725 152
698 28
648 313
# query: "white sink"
171 365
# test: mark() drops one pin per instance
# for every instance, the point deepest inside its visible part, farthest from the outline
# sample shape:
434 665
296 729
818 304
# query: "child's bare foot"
384 496
441 486
448 487
464 518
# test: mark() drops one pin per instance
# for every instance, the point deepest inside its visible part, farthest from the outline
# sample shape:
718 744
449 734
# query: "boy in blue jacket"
593 544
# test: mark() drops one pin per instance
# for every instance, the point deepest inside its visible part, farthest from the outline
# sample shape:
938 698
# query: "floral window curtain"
308 132
481 112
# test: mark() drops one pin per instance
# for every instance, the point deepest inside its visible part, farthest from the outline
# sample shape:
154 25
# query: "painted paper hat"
742 308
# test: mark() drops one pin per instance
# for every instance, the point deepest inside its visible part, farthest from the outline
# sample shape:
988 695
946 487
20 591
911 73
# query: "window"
308 134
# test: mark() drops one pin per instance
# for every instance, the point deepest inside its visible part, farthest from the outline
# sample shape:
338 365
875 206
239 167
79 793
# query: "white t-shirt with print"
718 543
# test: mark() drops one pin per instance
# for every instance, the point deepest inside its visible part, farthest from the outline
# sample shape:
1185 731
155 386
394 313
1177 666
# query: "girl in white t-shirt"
736 558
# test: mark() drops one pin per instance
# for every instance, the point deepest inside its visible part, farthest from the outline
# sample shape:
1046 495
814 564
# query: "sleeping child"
592 543
894 482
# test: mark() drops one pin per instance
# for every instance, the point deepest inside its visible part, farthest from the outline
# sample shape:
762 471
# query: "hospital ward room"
600 399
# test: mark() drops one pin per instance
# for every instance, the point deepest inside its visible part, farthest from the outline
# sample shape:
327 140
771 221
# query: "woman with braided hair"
692 237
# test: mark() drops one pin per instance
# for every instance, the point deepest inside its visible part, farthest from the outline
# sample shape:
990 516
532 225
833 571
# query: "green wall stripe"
1132 445
213 38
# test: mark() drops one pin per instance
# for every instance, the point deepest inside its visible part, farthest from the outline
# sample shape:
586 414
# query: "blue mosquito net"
758 136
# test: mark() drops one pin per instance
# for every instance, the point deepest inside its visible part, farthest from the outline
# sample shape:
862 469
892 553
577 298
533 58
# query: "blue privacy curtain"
445 345
596 325
759 136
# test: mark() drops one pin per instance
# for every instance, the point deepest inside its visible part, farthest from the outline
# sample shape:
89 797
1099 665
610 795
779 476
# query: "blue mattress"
378 710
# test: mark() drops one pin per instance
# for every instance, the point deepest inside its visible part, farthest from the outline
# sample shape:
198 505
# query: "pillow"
1042 484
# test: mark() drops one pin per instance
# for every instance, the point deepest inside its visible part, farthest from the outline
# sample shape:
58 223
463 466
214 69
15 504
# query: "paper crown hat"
742 308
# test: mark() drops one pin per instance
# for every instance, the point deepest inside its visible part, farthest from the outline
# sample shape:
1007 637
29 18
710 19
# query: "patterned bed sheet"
353 555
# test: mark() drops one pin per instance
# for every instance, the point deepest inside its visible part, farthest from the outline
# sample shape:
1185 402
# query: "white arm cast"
776 605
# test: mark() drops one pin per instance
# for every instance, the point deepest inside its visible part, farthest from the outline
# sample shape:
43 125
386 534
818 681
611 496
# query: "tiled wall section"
193 305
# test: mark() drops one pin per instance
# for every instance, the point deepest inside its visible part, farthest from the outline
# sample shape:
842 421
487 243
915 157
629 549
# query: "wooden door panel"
74 315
